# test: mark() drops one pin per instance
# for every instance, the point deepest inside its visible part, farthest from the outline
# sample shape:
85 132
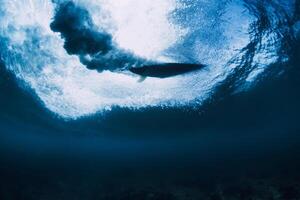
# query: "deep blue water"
71 138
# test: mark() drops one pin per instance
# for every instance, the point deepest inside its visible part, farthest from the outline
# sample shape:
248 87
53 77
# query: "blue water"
72 131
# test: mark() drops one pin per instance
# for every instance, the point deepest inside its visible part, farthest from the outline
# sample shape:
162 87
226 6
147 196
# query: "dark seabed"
238 144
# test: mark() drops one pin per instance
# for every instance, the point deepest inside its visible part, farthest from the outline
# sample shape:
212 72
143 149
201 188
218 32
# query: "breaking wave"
53 47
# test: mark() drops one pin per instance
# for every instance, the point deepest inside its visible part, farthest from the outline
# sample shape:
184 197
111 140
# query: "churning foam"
146 28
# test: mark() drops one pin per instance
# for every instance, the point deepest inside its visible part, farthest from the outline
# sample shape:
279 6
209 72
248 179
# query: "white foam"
36 55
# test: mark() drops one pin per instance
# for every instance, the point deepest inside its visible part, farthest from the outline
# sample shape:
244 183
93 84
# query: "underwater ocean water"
76 123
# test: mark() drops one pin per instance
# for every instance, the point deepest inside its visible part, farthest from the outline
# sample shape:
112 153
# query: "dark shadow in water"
128 154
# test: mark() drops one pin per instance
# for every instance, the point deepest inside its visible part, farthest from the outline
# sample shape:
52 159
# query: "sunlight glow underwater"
166 31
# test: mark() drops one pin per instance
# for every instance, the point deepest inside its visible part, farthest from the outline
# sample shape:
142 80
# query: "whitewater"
215 33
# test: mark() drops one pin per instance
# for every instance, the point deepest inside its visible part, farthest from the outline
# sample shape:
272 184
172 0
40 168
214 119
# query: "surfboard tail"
142 79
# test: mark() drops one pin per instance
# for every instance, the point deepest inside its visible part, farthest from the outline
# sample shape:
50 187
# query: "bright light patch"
146 28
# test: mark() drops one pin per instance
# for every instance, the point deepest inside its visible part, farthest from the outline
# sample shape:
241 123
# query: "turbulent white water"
170 30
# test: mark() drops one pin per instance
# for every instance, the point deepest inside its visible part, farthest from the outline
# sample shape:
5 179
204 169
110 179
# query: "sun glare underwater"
74 55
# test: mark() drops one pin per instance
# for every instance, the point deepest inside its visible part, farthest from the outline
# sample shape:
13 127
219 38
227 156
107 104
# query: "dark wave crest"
76 27
93 45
